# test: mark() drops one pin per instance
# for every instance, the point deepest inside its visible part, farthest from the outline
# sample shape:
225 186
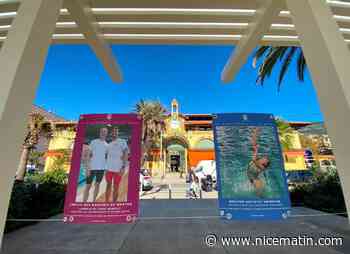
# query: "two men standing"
105 159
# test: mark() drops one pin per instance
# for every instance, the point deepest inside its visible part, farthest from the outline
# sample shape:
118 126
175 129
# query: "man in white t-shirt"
117 157
98 153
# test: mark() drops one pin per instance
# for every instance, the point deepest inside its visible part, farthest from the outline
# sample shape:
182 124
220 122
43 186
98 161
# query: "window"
290 159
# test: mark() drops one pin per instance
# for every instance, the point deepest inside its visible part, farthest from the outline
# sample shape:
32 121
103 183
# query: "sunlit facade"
187 140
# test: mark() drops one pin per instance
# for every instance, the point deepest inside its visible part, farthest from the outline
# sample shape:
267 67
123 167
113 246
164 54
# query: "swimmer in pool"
257 166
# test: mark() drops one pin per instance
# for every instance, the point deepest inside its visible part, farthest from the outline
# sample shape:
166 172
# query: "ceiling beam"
255 32
182 4
82 15
180 39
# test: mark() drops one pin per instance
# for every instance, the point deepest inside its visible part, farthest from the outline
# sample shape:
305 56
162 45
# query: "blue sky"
74 82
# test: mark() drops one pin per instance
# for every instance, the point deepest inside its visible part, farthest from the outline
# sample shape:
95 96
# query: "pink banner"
104 177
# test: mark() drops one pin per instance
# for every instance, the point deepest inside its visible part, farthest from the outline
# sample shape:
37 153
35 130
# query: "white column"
22 58
82 14
328 59
255 32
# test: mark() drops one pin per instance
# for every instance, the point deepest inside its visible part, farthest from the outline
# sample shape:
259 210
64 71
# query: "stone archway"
175 154
204 144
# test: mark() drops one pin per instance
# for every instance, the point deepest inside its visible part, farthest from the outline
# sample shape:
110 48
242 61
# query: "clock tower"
175 123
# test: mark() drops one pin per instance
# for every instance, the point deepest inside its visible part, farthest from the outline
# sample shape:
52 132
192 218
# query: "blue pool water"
236 152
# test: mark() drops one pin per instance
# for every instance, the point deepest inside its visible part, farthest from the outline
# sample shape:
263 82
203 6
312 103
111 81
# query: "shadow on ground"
177 226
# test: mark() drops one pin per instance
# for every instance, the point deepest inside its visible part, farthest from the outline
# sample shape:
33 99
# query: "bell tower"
174 110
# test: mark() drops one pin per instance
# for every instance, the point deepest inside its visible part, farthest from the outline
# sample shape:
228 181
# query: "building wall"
195 156
294 157
194 137
62 139
326 141
155 165
328 159
175 130
294 160
197 153
295 140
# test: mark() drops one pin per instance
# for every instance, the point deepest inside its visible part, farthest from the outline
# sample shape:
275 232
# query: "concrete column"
22 58
328 59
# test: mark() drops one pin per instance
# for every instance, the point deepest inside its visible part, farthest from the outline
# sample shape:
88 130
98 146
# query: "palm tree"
35 127
153 116
35 158
285 134
271 55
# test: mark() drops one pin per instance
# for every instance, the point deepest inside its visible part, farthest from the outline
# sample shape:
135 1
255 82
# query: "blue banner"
251 181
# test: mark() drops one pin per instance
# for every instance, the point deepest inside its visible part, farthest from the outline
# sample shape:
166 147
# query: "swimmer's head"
263 162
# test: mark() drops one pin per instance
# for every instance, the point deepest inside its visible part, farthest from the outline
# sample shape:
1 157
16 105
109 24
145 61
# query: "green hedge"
323 193
38 197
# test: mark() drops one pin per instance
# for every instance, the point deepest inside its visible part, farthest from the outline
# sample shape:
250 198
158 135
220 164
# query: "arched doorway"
205 144
176 152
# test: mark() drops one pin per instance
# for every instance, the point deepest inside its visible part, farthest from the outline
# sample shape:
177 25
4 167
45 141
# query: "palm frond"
271 55
259 53
285 65
301 66
269 62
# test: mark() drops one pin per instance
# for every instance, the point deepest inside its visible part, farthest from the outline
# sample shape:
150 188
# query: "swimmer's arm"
254 144
255 153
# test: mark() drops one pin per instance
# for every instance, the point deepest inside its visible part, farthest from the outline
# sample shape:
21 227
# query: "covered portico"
28 27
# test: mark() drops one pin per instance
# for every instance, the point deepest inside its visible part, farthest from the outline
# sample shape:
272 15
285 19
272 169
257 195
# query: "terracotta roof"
299 124
314 129
49 116
198 122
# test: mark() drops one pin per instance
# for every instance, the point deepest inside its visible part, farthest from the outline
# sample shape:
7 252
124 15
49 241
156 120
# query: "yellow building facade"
187 139
294 158
62 141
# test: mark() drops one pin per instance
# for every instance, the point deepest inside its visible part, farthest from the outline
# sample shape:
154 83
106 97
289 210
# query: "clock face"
174 124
